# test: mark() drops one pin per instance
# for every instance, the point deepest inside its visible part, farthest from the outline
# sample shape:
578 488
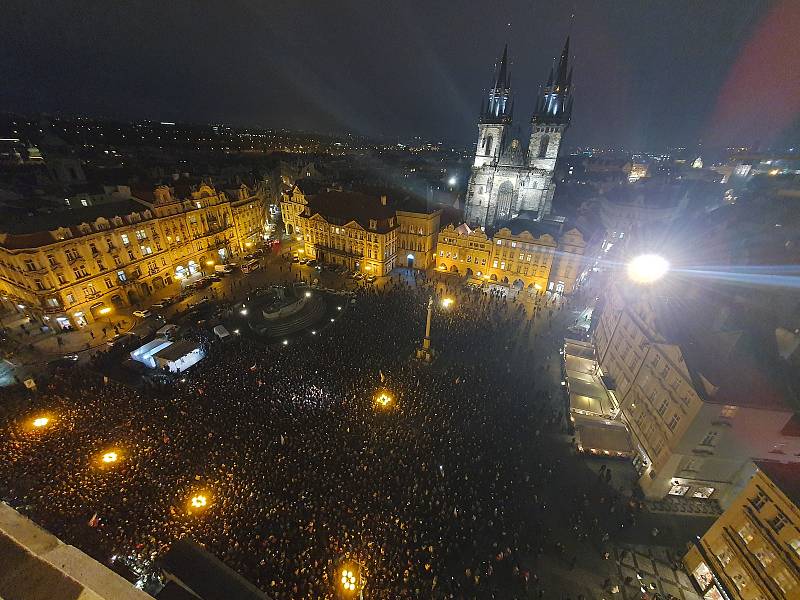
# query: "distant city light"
647 268
452 181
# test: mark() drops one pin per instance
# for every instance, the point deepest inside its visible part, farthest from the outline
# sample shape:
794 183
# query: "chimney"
383 200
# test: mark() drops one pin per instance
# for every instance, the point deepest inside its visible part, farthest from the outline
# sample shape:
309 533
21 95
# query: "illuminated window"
125 239
494 264
499 242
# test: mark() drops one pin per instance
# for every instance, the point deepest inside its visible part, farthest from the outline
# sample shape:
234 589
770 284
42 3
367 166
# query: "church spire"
498 108
554 103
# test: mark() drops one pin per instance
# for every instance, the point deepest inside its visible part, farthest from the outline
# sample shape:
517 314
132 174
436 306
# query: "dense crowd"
436 495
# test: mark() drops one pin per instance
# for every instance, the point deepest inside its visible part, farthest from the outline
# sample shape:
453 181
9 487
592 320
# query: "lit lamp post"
426 353
351 580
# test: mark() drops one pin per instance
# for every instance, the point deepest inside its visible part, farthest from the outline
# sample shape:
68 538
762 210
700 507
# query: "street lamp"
647 268
383 398
426 352
40 422
351 579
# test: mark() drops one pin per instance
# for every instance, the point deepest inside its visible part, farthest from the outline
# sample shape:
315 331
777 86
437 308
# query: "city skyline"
645 77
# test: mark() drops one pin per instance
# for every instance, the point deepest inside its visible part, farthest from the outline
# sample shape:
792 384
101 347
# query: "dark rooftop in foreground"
21 224
784 475
205 575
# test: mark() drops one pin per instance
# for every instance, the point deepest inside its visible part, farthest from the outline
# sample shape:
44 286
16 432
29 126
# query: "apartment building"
69 268
700 403
752 551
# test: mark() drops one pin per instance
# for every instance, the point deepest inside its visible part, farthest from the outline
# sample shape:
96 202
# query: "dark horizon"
645 77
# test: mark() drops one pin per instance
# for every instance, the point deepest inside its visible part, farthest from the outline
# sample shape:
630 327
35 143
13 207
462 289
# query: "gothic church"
506 181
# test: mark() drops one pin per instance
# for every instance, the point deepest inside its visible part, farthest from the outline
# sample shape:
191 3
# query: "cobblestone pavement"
651 570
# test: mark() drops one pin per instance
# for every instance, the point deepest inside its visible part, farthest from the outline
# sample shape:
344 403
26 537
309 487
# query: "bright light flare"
40 422
647 268
452 181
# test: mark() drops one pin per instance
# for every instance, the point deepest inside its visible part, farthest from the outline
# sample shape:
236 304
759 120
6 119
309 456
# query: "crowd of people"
439 494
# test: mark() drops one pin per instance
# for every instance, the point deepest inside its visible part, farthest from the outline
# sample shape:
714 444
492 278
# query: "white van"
224 269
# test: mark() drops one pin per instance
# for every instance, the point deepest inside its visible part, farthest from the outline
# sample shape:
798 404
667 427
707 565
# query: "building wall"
528 262
683 440
71 277
351 245
753 550
416 238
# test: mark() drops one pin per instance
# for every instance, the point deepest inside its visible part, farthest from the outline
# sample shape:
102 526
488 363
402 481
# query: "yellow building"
416 238
360 231
699 407
524 254
752 551
70 268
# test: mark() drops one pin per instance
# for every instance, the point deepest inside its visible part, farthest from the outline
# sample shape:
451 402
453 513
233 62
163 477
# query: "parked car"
358 276
370 278
312 262
142 314
224 269
295 259
214 278
159 305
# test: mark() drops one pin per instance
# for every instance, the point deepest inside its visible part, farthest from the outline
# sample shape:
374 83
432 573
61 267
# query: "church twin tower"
507 182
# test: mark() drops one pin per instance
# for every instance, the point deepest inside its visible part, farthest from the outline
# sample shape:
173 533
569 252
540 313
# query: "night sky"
647 73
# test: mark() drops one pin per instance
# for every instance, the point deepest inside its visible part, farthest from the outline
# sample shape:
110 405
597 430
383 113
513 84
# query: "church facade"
507 180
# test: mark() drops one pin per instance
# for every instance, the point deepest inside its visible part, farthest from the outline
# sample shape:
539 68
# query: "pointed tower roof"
563 64
502 80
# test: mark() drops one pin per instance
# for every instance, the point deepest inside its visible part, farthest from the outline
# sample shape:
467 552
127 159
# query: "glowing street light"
647 268
383 398
447 302
210 263
452 182
40 422
105 310
110 457
348 580
199 502
308 294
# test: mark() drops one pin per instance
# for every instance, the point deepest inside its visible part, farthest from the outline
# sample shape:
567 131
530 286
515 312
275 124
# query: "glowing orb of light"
383 398
199 501
647 268
447 302
348 580
110 457
40 422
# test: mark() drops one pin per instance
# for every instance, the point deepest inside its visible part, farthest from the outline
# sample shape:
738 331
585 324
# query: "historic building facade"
752 551
533 255
115 254
507 180
362 232
698 406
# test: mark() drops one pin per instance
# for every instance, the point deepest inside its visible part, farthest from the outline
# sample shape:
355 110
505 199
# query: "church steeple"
498 108
554 103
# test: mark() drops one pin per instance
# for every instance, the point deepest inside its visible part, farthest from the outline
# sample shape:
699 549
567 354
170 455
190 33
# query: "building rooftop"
205 575
34 564
342 207
786 476
27 224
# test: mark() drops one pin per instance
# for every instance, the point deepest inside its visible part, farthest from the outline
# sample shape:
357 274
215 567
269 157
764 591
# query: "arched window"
489 141
543 143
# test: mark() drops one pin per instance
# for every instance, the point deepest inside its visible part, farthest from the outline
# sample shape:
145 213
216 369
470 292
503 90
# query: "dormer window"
373 224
